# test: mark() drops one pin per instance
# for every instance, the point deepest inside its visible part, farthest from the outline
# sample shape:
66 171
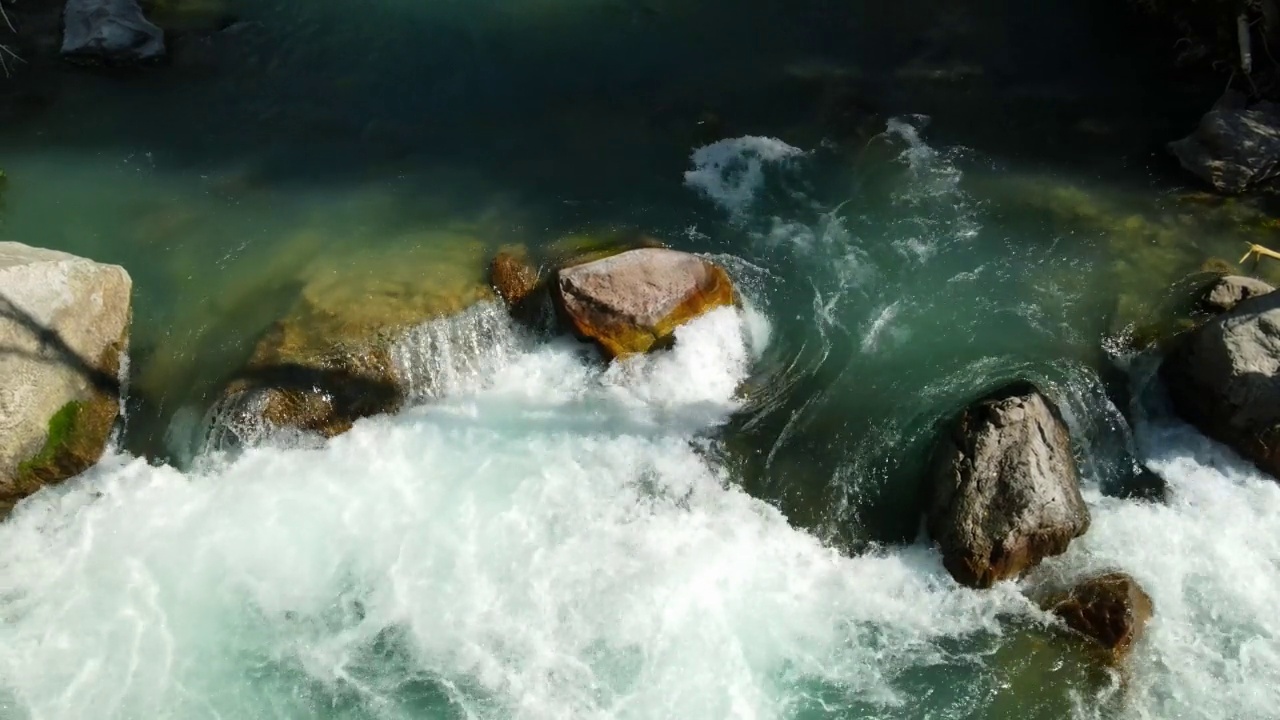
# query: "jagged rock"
1112 610
1234 146
1228 291
1223 378
632 302
64 327
329 361
1006 491
115 32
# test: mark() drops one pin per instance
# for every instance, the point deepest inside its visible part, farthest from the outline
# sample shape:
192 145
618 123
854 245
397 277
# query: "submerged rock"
1224 378
1006 492
1112 610
115 32
1229 291
329 361
64 325
1235 146
632 302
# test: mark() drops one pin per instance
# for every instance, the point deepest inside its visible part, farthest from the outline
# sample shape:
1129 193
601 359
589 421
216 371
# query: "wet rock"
1005 488
633 302
1228 291
512 277
330 360
579 248
1144 485
1235 145
114 32
1112 610
1224 378
64 324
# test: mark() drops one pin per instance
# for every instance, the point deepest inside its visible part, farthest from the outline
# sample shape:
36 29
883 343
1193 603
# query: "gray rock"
1230 290
632 302
1235 146
1223 378
110 31
64 324
1006 492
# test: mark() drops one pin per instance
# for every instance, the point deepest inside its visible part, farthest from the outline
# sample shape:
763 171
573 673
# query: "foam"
731 172
551 543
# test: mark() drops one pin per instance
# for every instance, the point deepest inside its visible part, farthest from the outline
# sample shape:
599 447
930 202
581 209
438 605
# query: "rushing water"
726 530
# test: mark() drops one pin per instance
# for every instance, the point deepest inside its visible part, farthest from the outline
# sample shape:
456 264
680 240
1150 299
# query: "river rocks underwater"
631 359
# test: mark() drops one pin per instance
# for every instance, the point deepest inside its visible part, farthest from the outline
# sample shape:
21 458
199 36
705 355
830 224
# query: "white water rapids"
551 542
551 539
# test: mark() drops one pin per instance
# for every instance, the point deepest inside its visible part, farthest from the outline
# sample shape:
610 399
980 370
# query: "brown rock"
1112 610
633 302
512 277
1006 492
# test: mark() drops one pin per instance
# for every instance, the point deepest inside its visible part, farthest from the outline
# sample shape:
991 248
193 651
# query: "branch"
1246 45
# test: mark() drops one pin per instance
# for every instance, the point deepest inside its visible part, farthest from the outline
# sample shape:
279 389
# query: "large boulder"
1112 610
1235 145
114 32
64 330
632 302
1224 378
1005 489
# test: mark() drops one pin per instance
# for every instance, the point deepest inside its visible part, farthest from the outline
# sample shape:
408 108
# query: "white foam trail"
730 172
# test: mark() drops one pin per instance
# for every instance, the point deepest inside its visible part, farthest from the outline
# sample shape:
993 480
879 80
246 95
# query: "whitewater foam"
534 548
731 172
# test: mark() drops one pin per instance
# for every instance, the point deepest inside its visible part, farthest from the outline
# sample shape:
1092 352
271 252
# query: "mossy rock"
59 384
585 247
76 436
77 433
329 360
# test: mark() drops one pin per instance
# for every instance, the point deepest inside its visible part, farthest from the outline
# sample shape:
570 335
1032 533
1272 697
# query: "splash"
731 172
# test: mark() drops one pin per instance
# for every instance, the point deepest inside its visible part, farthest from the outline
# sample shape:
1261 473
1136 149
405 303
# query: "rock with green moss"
64 324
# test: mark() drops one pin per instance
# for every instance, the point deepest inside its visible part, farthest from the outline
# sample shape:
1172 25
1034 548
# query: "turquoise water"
917 203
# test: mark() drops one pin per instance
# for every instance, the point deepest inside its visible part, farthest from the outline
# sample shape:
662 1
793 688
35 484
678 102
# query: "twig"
1245 43
4 50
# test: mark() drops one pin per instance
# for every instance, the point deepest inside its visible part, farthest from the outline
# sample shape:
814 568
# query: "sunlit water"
727 530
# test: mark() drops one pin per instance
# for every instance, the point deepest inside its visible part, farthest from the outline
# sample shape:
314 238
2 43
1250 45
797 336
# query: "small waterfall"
441 357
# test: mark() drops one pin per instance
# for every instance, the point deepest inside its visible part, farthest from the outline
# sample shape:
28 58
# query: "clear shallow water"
729 530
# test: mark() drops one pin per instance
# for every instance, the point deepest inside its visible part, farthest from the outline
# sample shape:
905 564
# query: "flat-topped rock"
64 326
1229 291
632 302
